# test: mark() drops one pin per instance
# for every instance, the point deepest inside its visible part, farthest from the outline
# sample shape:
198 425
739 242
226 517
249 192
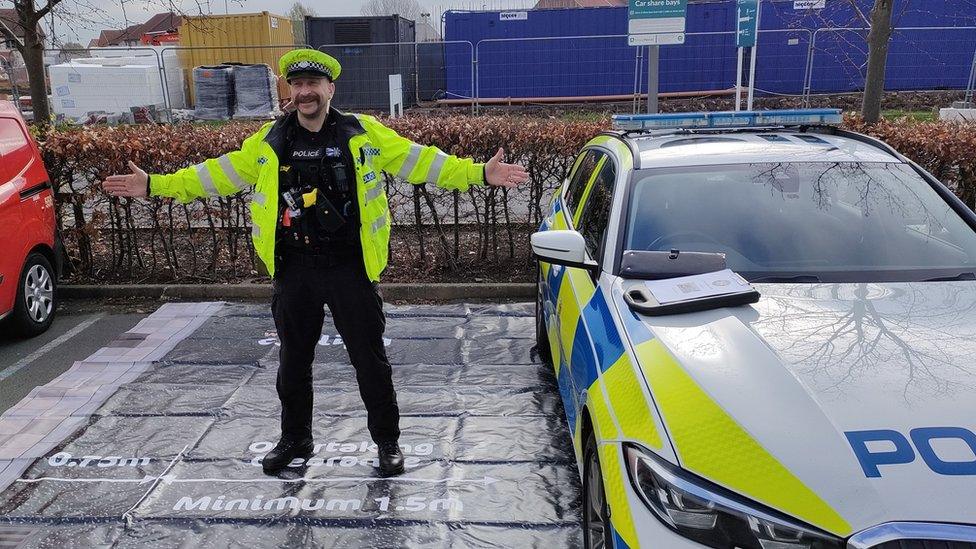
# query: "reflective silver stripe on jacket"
255 231
435 167
374 192
260 198
380 222
206 179
412 157
235 178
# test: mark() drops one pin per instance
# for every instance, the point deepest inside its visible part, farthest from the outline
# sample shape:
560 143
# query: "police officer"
321 226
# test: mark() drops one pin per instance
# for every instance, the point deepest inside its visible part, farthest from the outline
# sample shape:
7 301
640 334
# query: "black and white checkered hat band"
308 66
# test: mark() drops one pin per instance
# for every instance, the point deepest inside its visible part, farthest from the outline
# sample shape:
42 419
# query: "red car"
29 250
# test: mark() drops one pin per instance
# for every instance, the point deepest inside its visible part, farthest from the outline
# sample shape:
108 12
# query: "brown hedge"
438 235
448 235
946 149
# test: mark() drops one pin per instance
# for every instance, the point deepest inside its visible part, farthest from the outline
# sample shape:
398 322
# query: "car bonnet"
844 405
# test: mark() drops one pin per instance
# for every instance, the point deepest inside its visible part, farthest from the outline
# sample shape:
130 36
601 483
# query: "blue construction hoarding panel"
917 60
512 62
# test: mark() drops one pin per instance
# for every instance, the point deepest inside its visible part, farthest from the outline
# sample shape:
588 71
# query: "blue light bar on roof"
727 119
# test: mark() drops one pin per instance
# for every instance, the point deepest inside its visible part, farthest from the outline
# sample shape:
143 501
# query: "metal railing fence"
181 91
792 62
599 66
430 71
971 86
919 58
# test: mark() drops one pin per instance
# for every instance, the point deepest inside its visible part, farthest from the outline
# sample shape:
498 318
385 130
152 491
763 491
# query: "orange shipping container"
241 38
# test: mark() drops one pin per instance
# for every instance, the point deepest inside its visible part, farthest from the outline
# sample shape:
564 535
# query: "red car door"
13 232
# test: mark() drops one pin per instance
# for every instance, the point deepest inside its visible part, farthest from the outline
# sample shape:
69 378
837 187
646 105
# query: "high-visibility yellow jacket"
373 148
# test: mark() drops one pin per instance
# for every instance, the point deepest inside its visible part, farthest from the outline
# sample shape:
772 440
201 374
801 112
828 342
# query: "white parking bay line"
50 345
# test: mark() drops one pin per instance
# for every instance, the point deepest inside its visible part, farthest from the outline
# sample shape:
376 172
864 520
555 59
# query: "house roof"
108 37
10 18
159 22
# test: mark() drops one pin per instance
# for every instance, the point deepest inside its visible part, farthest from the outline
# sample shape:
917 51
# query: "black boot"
391 458
286 450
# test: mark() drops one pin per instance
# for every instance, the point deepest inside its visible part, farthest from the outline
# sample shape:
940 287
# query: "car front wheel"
596 511
36 301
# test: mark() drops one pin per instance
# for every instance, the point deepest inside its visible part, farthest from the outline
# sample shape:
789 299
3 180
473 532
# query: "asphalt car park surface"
156 437
75 334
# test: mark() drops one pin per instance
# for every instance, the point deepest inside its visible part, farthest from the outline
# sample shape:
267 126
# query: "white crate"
958 115
82 87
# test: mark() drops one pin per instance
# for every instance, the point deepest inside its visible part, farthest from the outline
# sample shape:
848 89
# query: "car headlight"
711 515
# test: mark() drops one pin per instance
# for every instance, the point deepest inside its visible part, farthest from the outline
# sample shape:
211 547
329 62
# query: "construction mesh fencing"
136 84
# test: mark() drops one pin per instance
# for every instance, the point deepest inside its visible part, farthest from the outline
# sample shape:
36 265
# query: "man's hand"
502 174
133 184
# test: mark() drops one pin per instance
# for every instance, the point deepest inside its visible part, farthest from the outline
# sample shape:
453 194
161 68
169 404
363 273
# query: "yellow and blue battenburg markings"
600 370
700 430
591 362
593 367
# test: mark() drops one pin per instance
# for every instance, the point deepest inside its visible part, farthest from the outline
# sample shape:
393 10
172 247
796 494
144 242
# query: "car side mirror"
566 248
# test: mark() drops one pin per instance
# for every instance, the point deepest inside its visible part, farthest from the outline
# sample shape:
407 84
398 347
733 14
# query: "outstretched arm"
421 164
230 174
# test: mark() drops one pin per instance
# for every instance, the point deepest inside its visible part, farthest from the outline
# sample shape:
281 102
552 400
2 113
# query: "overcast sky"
105 14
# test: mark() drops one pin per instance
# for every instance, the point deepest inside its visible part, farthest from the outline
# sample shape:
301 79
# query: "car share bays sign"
656 22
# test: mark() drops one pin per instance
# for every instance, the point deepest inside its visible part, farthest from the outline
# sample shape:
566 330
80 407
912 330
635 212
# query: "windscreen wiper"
960 276
799 279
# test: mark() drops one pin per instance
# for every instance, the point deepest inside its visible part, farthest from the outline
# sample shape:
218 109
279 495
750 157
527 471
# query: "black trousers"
301 291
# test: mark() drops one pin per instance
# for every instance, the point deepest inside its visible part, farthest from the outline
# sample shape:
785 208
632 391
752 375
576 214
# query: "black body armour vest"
318 211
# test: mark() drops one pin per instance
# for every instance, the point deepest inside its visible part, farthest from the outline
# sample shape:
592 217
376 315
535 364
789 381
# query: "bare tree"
297 14
31 48
880 18
879 38
75 14
408 9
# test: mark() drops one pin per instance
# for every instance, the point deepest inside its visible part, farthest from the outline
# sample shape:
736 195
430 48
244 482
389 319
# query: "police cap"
308 62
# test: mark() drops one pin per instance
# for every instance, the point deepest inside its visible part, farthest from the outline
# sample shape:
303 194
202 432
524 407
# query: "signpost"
396 96
654 23
746 36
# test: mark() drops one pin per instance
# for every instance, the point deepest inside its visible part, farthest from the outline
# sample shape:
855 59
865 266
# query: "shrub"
437 234
947 150
454 234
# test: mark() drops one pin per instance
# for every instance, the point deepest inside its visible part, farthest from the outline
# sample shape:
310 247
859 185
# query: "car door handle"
34 190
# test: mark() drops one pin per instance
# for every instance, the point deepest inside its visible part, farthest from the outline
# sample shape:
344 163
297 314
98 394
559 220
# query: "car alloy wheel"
39 293
36 301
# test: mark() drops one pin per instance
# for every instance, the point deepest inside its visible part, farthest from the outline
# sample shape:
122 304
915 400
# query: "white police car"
830 402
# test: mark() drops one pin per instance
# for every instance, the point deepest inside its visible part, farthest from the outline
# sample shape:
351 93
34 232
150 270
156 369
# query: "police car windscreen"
833 222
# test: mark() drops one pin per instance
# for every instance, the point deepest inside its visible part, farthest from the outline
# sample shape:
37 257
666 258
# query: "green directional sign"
747 21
